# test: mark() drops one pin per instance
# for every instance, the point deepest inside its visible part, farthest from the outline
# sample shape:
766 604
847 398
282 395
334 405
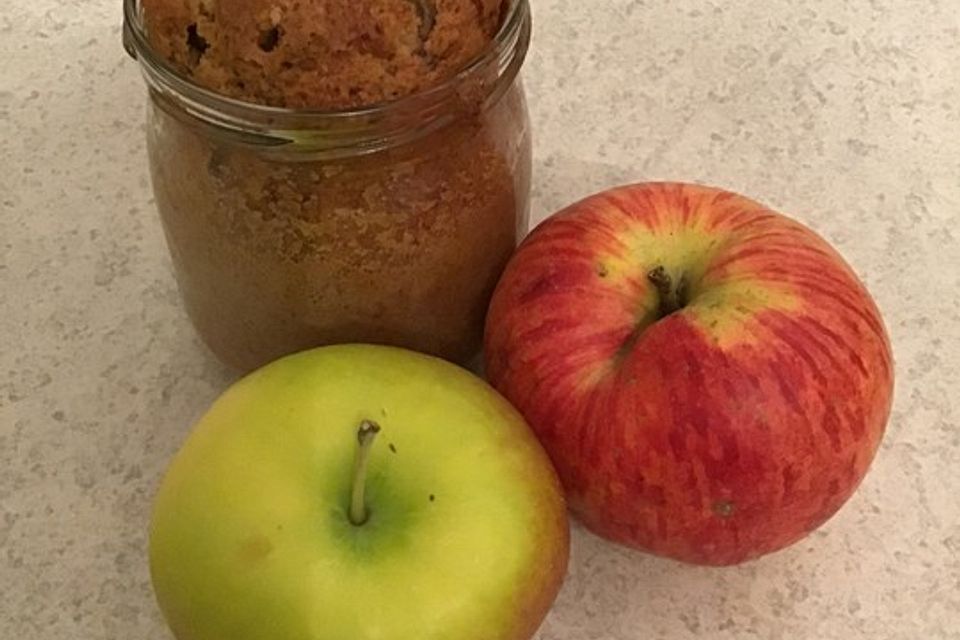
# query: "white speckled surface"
844 113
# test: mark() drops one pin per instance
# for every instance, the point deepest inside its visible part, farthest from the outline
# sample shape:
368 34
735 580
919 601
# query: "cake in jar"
392 206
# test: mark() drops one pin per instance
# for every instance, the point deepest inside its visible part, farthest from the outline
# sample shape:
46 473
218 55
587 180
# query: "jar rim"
505 55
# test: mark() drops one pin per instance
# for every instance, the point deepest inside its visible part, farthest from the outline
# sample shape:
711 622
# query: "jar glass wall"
391 224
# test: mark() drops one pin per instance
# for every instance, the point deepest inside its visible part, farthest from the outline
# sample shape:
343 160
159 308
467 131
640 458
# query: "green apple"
359 492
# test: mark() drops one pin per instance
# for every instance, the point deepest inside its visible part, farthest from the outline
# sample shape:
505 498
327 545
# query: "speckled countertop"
844 113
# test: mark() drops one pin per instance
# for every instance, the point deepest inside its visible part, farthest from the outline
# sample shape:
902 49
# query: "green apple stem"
672 297
358 508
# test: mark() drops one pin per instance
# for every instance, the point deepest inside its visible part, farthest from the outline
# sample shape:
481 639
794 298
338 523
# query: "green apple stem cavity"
673 295
365 436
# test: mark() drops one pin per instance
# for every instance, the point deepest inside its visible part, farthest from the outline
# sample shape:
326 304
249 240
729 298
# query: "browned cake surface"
325 54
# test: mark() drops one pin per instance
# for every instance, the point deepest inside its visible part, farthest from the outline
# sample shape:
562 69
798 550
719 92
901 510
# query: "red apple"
710 377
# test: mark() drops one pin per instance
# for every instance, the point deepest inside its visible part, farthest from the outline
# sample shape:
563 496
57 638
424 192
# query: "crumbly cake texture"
320 54
401 247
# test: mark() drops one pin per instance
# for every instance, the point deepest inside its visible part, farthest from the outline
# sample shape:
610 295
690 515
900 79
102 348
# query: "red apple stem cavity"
358 513
672 296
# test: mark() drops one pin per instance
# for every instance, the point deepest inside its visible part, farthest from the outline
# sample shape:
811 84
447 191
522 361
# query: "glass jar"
290 229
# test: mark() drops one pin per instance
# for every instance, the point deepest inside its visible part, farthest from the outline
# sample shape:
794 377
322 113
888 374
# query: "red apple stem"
671 296
358 513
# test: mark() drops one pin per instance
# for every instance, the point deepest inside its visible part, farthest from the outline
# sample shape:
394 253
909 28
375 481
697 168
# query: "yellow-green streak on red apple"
723 431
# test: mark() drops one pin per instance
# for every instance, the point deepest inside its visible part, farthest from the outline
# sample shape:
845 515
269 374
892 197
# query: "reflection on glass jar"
291 229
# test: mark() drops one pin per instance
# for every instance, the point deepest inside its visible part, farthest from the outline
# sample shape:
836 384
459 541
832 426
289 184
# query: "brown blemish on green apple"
392 448
255 549
432 497
724 508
